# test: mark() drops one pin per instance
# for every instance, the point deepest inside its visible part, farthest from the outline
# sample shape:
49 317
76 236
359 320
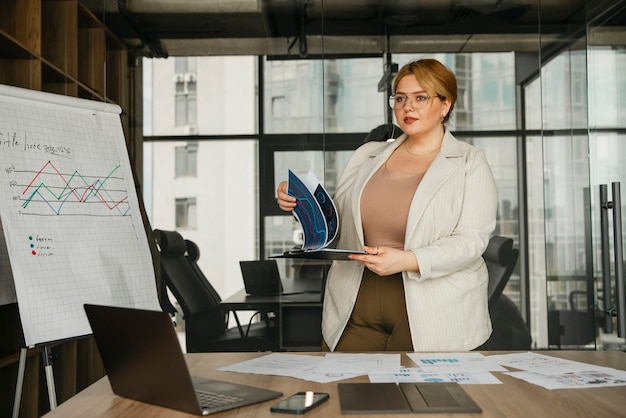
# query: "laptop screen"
261 277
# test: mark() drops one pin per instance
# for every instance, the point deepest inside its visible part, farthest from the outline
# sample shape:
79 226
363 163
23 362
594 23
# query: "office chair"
205 321
501 258
193 255
383 133
574 326
510 332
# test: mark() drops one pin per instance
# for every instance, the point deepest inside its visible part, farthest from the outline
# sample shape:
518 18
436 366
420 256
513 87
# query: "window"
278 107
187 160
330 95
186 97
186 213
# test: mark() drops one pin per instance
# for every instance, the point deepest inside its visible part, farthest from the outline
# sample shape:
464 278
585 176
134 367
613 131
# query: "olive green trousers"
379 320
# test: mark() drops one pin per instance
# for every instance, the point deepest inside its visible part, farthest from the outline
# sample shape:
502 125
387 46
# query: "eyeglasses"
420 100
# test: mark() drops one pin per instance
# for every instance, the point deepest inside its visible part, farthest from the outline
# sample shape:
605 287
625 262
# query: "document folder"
404 398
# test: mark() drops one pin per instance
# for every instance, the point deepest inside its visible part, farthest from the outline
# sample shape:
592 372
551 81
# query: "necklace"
419 155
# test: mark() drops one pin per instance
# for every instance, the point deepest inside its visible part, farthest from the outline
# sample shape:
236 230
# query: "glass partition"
576 149
606 65
546 105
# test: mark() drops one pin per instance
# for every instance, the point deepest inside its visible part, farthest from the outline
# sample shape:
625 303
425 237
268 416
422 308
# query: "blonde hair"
434 77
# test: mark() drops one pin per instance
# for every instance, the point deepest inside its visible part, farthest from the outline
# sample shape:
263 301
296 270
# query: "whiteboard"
70 213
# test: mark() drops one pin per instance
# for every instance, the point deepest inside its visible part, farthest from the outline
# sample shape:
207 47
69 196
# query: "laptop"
261 277
404 398
144 361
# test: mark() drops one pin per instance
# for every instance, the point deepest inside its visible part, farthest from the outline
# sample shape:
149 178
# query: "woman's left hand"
386 261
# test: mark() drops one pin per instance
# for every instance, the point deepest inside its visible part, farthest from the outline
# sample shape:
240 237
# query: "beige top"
385 207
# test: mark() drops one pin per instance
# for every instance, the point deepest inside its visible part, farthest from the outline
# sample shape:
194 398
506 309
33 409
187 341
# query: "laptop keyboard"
211 399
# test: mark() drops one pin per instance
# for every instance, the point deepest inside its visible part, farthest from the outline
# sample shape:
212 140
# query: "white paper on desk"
279 364
574 380
542 363
361 363
321 369
414 374
299 366
455 362
339 366
324 376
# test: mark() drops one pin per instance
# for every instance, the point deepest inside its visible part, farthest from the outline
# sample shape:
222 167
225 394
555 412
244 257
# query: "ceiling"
161 28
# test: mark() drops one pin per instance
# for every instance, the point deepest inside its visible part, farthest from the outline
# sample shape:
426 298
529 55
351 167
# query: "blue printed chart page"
317 215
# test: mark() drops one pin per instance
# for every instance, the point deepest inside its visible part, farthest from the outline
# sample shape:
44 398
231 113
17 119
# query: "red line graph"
76 186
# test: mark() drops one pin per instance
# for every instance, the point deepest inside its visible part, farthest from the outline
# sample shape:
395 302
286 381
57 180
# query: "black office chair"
574 326
501 258
205 321
193 255
510 332
383 133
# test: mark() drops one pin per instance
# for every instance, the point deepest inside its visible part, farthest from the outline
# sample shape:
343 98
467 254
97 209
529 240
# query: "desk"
298 316
513 398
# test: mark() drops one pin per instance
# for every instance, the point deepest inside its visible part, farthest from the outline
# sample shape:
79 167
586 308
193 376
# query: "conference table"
298 312
512 398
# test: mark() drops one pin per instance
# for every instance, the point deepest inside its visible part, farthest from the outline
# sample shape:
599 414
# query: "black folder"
320 254
404 398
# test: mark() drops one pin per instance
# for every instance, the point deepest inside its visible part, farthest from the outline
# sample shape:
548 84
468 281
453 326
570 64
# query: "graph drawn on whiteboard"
52 192
71 216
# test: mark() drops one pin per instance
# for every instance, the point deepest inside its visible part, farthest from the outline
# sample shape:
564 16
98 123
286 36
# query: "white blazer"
450 221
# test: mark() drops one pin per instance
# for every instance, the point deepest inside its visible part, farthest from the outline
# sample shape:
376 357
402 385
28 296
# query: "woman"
423 207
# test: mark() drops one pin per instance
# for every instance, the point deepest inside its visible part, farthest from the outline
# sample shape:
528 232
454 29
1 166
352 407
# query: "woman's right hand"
285 201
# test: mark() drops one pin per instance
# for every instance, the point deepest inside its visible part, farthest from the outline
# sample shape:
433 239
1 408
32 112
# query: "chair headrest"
499 250
383 133
171 242
193 252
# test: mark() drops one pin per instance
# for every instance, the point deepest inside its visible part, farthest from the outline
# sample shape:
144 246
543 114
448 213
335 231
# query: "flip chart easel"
70 215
